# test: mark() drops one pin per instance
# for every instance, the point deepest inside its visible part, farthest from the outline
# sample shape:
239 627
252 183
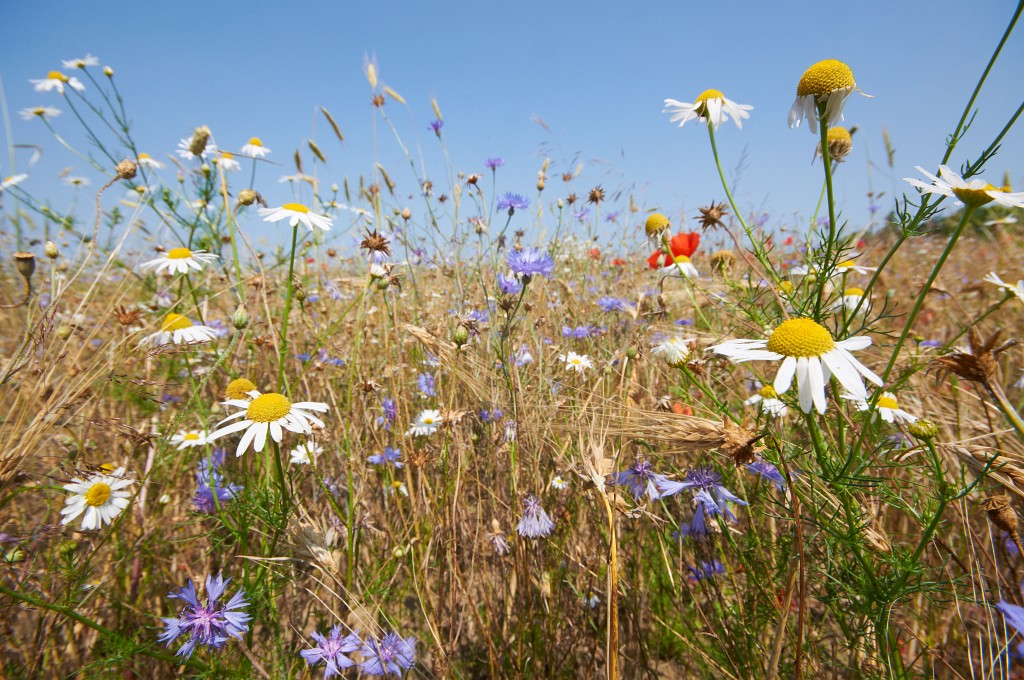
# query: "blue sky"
596 73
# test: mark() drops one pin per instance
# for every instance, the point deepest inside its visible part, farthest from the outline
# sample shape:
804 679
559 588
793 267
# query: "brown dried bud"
596 195
722 261
126 169
247 197
1002 515
25 263
711 216
200 137
979 364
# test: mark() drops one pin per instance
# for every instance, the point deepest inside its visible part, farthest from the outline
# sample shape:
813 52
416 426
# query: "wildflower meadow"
474 424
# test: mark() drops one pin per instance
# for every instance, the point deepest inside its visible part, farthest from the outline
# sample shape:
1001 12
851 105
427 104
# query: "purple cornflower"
512 202
479 315
331 649
492 415
706 570
640 479
697 530
612 304
426 384
210 623
391 655
612 216
509 285
494 163
523 356
769 472
534 523
391 456
530 261
581 214
388 413
500 543
436 126
210 483
706 483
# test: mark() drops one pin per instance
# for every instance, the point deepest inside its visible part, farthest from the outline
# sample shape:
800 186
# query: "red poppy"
681 410
618 262
682 245
310 260
861 243
789 241
595 253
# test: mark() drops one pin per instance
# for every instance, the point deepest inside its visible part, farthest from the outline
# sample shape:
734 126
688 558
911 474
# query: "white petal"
784 378
817 380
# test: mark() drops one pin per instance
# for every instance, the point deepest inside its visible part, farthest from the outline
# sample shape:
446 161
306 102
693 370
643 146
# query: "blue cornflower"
706 483
612 304
641 479
769 472
707 570
581 214
491 416
210 482
523 356
612 216
931 343
530 261
509 285
534 523
697 530
426 384
494 163
479 315
391 655
391 456
331 649
512 202
389 411
210 623
436 126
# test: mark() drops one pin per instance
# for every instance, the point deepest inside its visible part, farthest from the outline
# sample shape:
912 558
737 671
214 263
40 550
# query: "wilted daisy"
296 213
391 655
675 351
840 143
180 261
147 161
82 62
811 354
55 80
12 181
208 623
576 362
886 407
254 147
974 193
850 301
768 402
268 413
711 107
331 649
534 523
1017 290
305 453
185 148
187 439
178 330
44 112
426 423
822 93
100 497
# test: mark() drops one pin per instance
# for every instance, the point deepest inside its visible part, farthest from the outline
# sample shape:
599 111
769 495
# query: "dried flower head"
596 195
1003 516
374 242
711 216
977 363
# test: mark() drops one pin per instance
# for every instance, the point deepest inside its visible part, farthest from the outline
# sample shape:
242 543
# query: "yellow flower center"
975 197
429 420
267 408
800 338
839 134
144 156
227 156
854 291
108 467
255 141
768 392
178 253
239 388
656 224
786 286
97 494
396 485
846 264
175 322
700 106
824 78
295 207
887 402
57 75
191 437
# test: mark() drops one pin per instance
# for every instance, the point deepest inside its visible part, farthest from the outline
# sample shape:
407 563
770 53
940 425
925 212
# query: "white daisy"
55 80
1017 290
44 112
185 149
226 162
811 354
74 181
295 213
426 423
398 487
187 439
147 161
886 407
976 193
101 497
178 330
682 267
12 181
87 60
180 261
847 266
768 402
268 413
711 107
851 299
255 148
675 351
558 482
576 362
821 94
305 453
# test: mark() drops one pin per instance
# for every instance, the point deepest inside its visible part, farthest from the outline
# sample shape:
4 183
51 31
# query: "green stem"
287 311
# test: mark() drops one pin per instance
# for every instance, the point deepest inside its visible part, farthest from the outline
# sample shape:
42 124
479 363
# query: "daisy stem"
287 310
826 158
964 219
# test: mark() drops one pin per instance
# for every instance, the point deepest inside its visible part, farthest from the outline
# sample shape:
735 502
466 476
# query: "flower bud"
108 72
632 352
64 331
540 184
240 319
406 214
461 336
51 250
246 197
126 169
923 429
561 204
